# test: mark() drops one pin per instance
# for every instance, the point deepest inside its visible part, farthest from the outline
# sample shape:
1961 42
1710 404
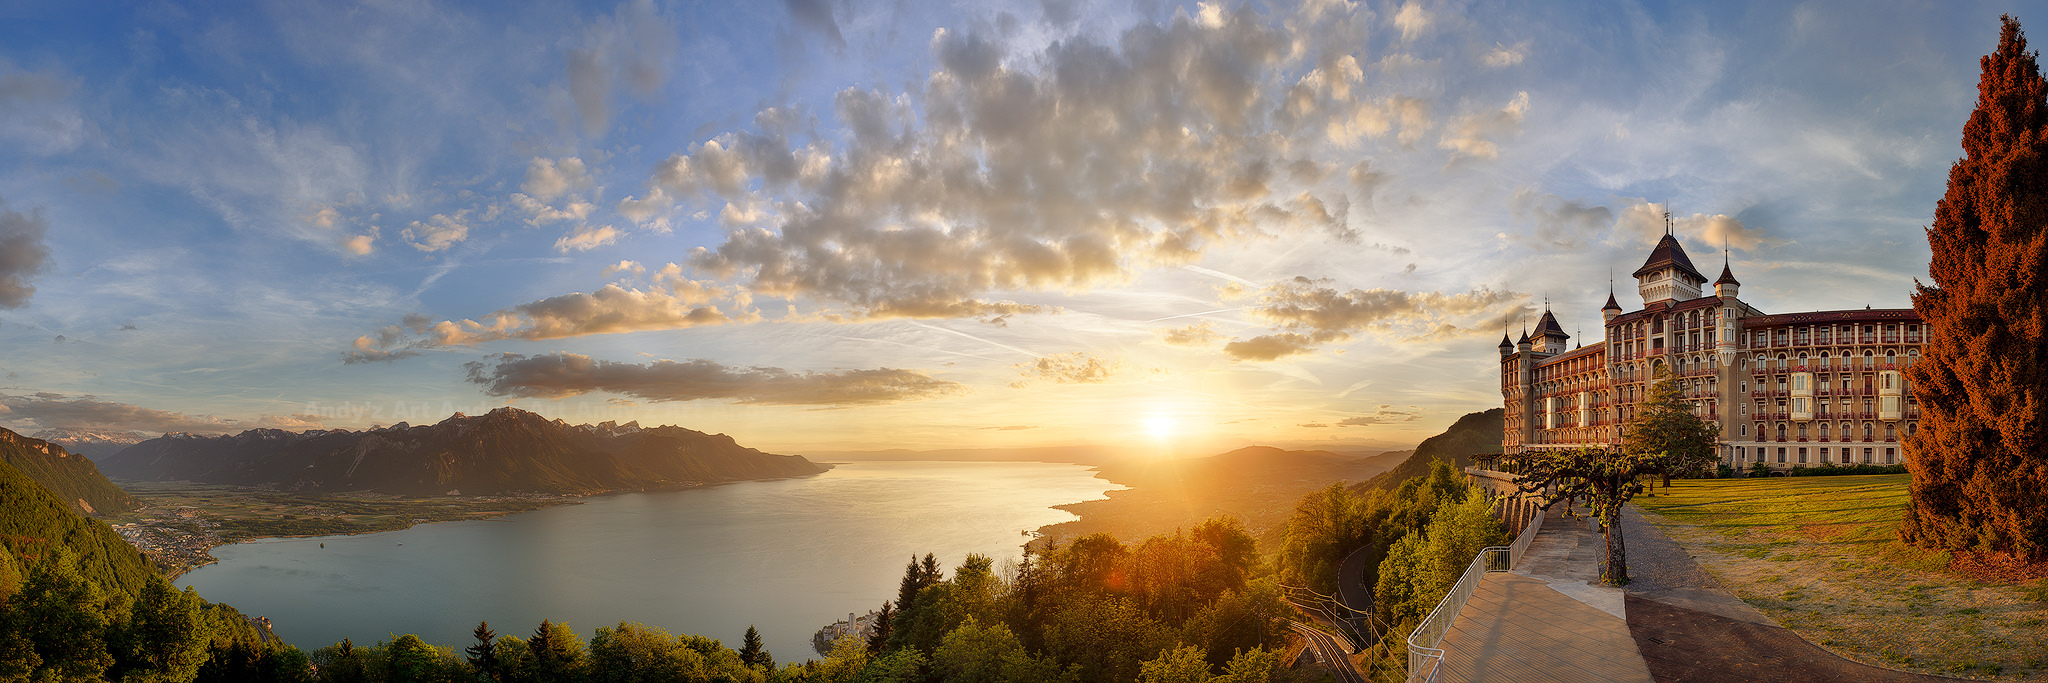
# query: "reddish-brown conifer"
1980 472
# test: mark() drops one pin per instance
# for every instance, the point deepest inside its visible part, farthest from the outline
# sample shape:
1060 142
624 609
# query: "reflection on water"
787 556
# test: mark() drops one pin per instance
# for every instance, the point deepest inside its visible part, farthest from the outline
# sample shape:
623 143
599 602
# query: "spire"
1727 276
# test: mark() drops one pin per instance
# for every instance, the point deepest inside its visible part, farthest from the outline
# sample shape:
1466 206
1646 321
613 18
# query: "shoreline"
180 523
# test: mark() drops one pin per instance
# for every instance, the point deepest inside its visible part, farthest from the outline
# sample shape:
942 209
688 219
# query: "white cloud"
1309 314
541 213
1411 19
549 179
586 239
559 375
359 245
1505 55
23 254
1476 136
57 411
438 232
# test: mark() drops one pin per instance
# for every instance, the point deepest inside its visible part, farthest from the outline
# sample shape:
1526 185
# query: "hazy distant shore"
181 523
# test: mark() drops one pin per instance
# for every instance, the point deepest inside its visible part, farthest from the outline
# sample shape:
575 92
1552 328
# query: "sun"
1159 426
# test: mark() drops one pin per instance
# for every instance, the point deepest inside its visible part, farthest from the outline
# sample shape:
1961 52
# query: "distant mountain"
69 476
504 451
1246 466
1474 433
34 522
92 443
1079 455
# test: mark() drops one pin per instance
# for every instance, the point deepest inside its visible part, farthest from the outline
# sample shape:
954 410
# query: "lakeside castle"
1812 389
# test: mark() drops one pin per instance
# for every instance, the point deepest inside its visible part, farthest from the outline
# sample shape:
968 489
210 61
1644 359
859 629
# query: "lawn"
1821 555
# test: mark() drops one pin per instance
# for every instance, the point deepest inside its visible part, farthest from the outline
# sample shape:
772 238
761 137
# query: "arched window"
1869 360
1823 430
1781 431
1912 356
1845 431
1802 359
1891 431
1802 430
1781 361
1824 359
1891 357
1869 431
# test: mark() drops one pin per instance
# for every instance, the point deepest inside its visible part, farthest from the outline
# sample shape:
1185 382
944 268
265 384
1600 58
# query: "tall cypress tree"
1979 463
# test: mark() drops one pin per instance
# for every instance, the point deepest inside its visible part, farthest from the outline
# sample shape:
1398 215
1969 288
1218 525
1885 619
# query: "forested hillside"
1474 433
73 478
34 523
77 603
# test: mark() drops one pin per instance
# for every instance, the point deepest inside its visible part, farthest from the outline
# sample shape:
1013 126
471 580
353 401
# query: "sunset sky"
827 225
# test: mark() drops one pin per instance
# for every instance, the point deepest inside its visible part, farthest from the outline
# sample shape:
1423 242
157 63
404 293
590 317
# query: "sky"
823 225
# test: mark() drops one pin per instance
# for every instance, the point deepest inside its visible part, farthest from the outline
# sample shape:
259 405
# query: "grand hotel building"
1788 389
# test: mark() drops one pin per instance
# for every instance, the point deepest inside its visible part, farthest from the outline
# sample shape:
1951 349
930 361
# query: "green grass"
1859 514
1822 556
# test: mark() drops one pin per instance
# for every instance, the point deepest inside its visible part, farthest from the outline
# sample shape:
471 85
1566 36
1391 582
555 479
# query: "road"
1330 651
1351 588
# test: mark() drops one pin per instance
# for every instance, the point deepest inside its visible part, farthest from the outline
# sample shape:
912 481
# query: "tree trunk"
1616 573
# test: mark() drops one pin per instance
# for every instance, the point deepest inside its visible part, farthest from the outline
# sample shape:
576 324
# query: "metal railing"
1425 659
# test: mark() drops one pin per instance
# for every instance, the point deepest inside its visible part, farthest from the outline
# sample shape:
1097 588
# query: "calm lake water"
786 556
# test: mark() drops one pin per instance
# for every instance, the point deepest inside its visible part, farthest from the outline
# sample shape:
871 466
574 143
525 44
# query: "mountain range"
507 450
92 443
71 477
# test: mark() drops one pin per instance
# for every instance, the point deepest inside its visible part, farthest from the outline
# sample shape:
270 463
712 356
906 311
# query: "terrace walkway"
1547 620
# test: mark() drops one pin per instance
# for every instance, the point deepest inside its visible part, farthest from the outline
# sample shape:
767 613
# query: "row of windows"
1891 430
1844 360
1844 455
1825 334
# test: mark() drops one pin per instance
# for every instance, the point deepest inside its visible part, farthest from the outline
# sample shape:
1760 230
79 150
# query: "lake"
787 556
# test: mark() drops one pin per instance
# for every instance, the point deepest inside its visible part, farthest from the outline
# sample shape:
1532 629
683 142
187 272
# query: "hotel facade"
1815 389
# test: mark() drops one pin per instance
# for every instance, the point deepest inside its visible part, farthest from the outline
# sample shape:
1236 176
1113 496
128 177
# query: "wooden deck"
1546 621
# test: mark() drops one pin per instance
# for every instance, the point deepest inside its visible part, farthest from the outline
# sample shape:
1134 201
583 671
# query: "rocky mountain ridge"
507 450
71 477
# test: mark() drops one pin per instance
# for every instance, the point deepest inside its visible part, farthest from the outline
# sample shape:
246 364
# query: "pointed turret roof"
1727 276
1548 327
1669 253
1504 343
1612 305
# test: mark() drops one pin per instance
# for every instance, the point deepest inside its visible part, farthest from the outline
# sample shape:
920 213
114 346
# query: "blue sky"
822 225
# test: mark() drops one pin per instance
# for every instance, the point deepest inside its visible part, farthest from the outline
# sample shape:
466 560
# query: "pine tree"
1978 460
752 653
1665 426
884 624
557 653
483 656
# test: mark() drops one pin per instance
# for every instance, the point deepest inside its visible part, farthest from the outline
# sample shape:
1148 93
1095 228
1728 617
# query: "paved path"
1689 628
1546 621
